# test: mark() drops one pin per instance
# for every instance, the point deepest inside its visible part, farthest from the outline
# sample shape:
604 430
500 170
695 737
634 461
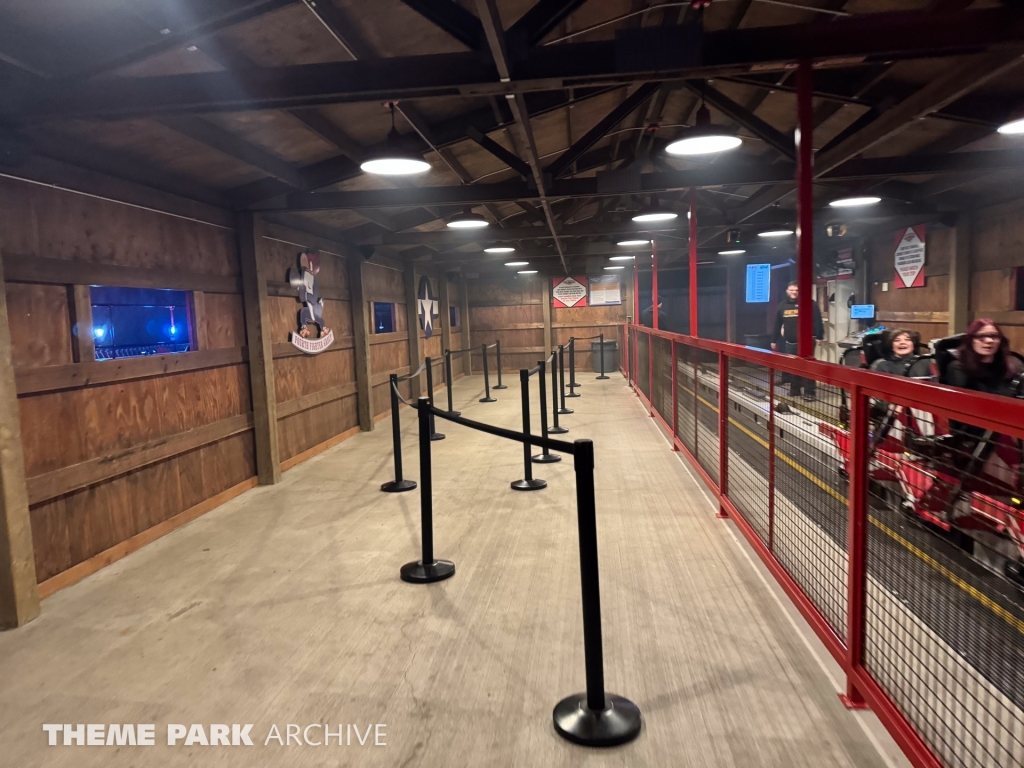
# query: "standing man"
784 337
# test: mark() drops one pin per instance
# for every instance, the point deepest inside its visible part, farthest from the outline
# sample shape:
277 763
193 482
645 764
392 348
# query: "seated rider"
984 362
901 353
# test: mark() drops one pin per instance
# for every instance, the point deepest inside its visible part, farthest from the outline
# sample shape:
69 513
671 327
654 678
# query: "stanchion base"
573 385
602 378
454 413
488 400
617 724
398 486
573 394
542 458
427 573
563 411
558 430
436 436
529 485
500 386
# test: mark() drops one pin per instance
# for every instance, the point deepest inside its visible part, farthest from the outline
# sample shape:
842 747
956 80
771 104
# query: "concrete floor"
284 607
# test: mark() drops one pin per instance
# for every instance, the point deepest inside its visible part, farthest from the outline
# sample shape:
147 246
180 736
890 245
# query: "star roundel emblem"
426 307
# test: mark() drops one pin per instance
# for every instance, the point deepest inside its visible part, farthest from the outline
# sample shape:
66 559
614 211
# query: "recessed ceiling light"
614 267
621 258
394 159
703 138
776 233
516 263
633 242
499 249
528 272
1012 128
852 202
467 220
731 253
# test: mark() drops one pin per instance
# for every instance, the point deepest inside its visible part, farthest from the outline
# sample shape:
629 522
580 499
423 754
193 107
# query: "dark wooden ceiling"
271 104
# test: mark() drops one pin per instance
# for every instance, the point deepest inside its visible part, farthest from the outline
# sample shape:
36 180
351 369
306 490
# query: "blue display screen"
862 312
759 278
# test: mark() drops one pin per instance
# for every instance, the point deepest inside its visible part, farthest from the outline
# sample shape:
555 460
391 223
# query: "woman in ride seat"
900 353
984 361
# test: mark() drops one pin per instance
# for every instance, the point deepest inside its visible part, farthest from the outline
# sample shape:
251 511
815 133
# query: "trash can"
609 353
758 341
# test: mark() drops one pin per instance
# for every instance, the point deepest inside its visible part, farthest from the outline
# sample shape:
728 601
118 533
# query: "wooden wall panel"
40 325
224 320
297 376
998 237
311 427
383 284
992 291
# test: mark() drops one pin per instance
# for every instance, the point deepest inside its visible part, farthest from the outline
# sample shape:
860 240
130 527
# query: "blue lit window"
453 317
383 317
132 322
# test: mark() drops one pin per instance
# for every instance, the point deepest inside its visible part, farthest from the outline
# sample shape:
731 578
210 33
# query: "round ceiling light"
499 249
614 268
394 159
516 263
703 138
737 252
853 202
776 233
467 220
1012 128
633 242
621 258
528 272
655 214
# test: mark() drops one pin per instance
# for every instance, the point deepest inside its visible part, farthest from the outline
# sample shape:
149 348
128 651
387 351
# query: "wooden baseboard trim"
76 573
309 453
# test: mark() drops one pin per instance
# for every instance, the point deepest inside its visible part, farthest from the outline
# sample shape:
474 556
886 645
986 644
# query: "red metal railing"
914 629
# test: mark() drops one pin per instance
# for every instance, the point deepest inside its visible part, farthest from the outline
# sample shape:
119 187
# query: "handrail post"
487 378
556 429
497 360
561 379
434 434
572 369
675 396
771 459
723 433
398 485
426 570
528 483
448 381
594 718
545 456
857 545
602 376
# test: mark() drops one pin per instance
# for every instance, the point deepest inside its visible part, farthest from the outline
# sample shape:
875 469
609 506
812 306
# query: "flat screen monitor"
759 278
862 312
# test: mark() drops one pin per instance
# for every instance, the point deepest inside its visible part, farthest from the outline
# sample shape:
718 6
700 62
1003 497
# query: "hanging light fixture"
633 242
736 252
655 213
611 268
527 272
393 159
517 263
853 202
776 233
703 138
1012 128
620 258
499 249
467 220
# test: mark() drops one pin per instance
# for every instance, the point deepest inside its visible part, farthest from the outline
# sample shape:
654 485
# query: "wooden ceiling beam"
777 140
452 18
538 22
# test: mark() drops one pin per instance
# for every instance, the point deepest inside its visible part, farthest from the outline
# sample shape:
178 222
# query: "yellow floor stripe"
972 591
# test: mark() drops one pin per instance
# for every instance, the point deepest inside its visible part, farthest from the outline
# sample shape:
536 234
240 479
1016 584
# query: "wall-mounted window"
132 322
383 317
453 317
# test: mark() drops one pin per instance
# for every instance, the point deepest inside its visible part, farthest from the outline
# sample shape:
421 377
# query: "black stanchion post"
594 718
528 483
487 379
602 376
556 429
572 369
561 379
497 356
427 569
398 485
448 381
434 434
545 456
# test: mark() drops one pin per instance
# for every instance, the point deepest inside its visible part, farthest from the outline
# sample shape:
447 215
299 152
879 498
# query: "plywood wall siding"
114 448
389 352
583 322
316 394
508 309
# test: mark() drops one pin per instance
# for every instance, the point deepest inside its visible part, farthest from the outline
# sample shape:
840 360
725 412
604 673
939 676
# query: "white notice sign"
605 290
909 257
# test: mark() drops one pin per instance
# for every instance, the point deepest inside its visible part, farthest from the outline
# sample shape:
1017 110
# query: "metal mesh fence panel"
707 412
747 435
662 397
643 372
944 615
686 424
811 504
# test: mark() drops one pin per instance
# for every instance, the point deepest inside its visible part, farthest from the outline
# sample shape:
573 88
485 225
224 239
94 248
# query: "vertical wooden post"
19 596
545 297
199 336
413 324
361 340
260 344
83 343
444 299
467 339
960 276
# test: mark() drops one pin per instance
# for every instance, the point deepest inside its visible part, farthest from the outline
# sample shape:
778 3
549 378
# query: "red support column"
723 432
675 399
650 373
857 529
693 263
654 280
636 293
771 458
805 209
